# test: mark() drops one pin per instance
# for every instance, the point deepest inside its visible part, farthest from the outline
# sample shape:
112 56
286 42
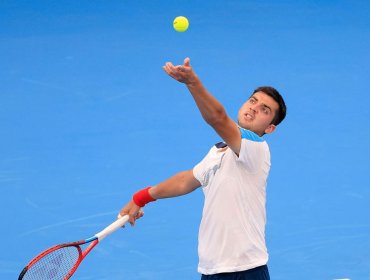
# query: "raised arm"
180 184
211 109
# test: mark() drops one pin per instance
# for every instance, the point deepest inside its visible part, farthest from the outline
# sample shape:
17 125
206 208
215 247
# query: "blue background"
88 116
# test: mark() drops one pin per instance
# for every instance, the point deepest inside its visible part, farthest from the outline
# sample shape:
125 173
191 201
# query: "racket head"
55 263
61 261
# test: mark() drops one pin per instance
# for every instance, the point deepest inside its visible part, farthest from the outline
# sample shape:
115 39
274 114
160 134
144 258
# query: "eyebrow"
263 104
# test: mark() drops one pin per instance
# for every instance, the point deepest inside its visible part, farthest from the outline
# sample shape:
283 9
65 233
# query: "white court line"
113 213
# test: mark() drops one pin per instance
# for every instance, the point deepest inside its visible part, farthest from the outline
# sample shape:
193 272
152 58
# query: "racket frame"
94 240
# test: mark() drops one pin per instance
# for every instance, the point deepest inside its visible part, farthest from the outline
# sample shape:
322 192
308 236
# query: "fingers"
133 216
139 214
187 61
136 216
170 68
178 73
133 211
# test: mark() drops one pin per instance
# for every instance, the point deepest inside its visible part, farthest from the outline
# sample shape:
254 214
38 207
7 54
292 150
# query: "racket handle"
112 227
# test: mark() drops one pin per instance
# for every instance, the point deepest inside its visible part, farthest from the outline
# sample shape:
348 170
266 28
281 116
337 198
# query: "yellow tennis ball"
180 24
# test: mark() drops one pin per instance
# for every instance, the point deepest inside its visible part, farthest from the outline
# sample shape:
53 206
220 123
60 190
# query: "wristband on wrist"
142 197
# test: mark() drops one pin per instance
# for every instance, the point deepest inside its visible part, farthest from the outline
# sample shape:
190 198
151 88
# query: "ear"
270 129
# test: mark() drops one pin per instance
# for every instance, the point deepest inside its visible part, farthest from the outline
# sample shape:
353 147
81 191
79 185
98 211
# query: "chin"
245 125
249 128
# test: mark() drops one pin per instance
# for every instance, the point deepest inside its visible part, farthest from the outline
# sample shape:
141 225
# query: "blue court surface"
88 116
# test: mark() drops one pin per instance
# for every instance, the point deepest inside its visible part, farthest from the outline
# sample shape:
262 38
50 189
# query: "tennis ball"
180 24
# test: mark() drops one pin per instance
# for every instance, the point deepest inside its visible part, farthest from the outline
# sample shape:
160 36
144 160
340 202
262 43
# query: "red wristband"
142 197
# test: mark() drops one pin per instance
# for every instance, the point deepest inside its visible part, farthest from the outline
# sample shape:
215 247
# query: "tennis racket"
61 261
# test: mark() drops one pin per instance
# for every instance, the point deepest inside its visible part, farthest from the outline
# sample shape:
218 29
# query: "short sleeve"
254 151
209 165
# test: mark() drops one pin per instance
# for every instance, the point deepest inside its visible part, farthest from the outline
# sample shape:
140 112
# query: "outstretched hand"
182 73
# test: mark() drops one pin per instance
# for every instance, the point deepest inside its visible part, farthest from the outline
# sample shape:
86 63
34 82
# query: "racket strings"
54 265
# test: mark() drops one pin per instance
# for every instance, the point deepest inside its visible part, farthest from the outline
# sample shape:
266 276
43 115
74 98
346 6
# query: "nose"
253 108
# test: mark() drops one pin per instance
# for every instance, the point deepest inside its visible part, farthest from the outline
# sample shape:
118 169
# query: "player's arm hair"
212 111
215 115
180 184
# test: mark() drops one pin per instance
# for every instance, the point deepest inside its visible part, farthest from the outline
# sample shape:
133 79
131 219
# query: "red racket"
61 261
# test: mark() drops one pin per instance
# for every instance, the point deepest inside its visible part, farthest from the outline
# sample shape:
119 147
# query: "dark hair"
272 92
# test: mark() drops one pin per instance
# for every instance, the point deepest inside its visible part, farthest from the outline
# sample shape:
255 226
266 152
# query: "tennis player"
233 177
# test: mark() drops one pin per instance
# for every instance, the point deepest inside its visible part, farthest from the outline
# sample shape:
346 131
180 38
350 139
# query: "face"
257 113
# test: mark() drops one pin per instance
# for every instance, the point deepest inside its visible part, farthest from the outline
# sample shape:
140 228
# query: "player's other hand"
133 211
182 73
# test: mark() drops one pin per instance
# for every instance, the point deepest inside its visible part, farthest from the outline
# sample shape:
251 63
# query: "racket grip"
112 227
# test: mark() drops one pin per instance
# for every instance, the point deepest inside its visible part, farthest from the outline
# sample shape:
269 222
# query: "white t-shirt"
232 230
